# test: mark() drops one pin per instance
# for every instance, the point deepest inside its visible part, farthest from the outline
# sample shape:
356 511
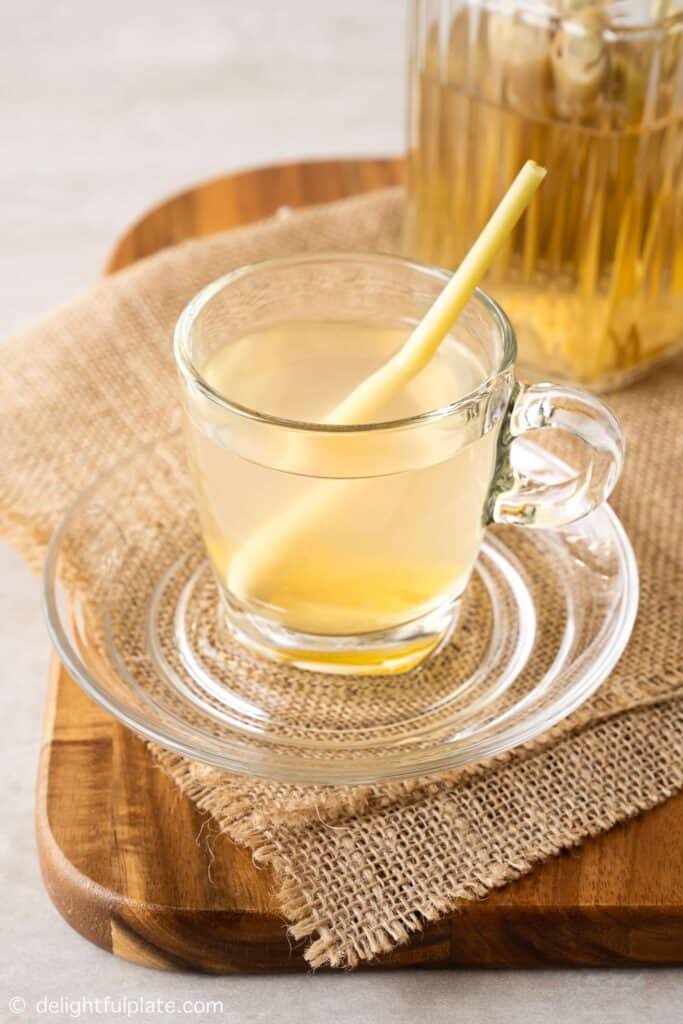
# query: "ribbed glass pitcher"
592 278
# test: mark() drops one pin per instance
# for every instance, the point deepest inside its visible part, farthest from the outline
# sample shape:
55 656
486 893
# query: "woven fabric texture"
359 869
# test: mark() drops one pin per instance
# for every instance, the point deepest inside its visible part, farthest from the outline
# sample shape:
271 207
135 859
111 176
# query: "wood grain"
134 867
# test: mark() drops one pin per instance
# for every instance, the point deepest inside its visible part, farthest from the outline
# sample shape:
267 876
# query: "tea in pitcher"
592 279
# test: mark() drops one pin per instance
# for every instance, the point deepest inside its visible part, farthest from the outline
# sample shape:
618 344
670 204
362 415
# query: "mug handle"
524 491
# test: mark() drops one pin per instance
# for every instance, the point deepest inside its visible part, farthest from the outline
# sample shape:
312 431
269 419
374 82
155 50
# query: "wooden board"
134 867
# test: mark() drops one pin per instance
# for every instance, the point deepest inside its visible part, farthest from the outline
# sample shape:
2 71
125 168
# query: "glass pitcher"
592 278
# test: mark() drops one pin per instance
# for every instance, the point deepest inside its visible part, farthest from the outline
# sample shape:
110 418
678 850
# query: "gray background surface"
104 109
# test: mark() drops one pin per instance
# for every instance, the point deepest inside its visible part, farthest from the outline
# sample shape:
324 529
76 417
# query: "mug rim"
182 342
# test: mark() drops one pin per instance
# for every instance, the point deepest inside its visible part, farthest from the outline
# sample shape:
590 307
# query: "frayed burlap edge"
276 846
234 801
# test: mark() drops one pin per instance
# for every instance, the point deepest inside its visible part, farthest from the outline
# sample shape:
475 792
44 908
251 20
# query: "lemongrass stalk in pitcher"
593 280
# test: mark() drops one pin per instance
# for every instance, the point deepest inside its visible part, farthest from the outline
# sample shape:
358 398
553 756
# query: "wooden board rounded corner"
226 202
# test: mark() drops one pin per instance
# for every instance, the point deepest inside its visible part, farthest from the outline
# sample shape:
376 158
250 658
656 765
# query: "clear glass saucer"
134 613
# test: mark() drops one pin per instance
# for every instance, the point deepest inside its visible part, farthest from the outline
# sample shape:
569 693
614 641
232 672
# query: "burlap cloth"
360 869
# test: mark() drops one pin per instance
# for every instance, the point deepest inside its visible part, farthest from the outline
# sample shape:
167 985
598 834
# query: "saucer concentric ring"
134 614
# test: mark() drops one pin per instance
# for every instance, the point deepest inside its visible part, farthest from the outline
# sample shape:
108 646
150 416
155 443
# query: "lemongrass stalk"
660 239
644 260
677 271
590 262
510 133
575 201
463 220
616 286
651 254
252 564
487 171
559 221
452 219
656 265
529 258
374 392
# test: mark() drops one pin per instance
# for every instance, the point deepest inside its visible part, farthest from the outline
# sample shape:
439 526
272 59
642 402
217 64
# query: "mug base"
385 652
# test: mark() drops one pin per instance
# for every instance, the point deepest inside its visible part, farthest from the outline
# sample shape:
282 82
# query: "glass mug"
347 548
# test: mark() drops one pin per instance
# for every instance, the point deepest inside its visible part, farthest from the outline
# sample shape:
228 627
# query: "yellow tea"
392 528
592 279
